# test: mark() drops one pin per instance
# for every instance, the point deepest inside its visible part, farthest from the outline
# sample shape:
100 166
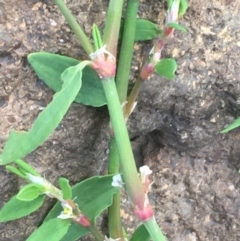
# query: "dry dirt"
174 129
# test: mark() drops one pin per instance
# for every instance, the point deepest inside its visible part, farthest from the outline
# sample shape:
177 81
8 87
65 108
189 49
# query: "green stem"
130 175
96 233
111 30
114 219
126 52
154 230
132 97
111 37
76 28
113 165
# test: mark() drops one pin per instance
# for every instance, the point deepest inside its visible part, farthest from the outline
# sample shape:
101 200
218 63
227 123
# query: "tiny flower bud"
84 221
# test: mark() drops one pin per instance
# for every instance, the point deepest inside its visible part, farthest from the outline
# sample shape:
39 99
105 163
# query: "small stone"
191 237
231 188
52 22
213 120
36 6
2 43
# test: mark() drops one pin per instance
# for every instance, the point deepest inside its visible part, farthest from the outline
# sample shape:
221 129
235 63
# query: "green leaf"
16 171
170 4
75 232
26 167
93 195
16 208
49 68
166 68
20 143
146 30
65 187
233 125
177 27
96 37
28 192
183 7
53 230
140 234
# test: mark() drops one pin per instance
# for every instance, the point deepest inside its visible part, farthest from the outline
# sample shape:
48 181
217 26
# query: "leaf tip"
223 131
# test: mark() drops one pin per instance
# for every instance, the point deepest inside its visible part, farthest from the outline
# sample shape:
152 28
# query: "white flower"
117 181
67 211
145 171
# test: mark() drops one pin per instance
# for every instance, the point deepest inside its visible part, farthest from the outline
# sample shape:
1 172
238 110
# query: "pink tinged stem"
104 63
146 71
144 214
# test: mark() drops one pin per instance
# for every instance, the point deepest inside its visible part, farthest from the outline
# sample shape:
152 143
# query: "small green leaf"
183 7
96 37
140 234
166 68
20 143
52 230
92 195
170 4
28 192
49 68
16 171
146 30
65 187
233 125
177 27
16 208
26 167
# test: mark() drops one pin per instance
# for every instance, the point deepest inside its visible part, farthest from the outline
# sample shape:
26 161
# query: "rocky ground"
174 129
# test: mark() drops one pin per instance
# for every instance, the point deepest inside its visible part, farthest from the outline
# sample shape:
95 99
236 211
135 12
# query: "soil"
175 128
